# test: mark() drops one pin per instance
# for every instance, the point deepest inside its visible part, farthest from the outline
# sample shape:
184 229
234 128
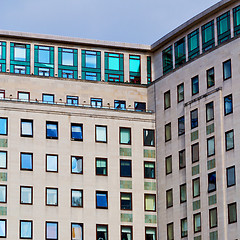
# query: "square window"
101 199
197 222
125 135
126 201
213 221
3 193
101 166
26 128
26 161
140 106
195 85
150 202
181 126
3 126
229 140
125 168
24 96
212 185
210 78
77 231
180 92
150 233
72 100
184 228
232 213
48 98
168 134
77 198
3 228
119 104
51 230
126 233
228 104
26 195
169 198
25 229
43 54
183 193
96 102
148 137
67 56
227 71
51 196
231 179
102 232
170 231
195 152
194 118
196 187
182 159
101 133
168 164
51 163
209 112
77 165
51 130
3 159
167 100
76 132
210 146
149 170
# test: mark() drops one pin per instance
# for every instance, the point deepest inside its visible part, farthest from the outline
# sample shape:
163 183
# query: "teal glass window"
43 54
135 69
101 166
195 85
125 135
114 61
193 44
208 39
236 20
167 58
96 102
2 56
20 52
180 52
223 27
3 126
149 70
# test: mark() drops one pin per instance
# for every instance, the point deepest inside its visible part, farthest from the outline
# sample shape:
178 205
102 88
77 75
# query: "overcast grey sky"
133 21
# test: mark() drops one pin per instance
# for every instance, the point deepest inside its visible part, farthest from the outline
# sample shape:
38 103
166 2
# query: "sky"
132 21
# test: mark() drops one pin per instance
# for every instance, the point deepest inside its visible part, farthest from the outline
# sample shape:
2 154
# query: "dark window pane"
77 198
168 165
212 182
210 78
150 233
126 201
232 213
118 104
209 111
182 159
213 221
125 168
170 231
181 126
149 170
210 146
180 54
148 136
228 106
167 100
197 222
195 85
102 232
194 118
167 58
184 228
229 138
231 181
52 130
227 71
101 166
195 152
140 106
196 187
183 193
180 92
168 134
169 198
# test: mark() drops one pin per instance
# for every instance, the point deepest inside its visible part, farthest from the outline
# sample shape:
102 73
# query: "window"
51 196
101 166
213 221
212 185
76 132
150 233
125 168
150 202
26 161
182 159
195 152
167 100
195 85
101 134
170 231
77 165
2 92
135 69
196 187
223 27
228 105
20 52
96 102
43 54
126 201
210 146
168 134
67 56
51 163
197 222
24 96
126 233
227 71
181 126
119 104
194 118
180 52
101 199
3 228
148 137
183 193
229 140
113 61
77 198
77 231
26 229
208 40
149 170
184 228
51 230
68 74
102 232
48 98
26 128
193 44
90 59
180 92
209 111
3 126
167 59
125 135
232 213
19 69
44 72
52 130
231 179
210 78
3 193
72 100
169 198
236 20
140 106
26 195
3 160
168 164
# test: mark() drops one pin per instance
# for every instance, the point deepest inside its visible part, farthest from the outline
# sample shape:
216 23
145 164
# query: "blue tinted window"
3 126
91 59
26 229
43 54
125 168
3 228
20 69
44 72
228 107
52 130
72 100
194 118
48 98
67 74
101 198
77 133
26 161
118 104
96 102
67 57
91 76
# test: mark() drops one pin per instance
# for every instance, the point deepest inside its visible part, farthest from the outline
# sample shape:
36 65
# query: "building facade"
103 140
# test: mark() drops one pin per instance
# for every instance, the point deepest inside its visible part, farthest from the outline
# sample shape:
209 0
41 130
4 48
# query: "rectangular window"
148 137
232 213
24 96
135 69
51 230
167 100
91 76
96 102
19 69
150 233
2 93
51 196
210 146
3 126
229 140
76 132
67 57
20 52
26 195
101 166
90 59
194 118
167 59
77 231
227 70
213 221
140 106
3 160
195 152
48 98
125 135
168 134
26 229
184 228
208 40
45 72
51 130
3 227
181 126
228 105
149 170
51 163
150 202
193 44
126 233
169 198
113 61
180 52
101 199
212 185
125 168
231 179
77 198
183 193
180 92
26 161
3 193
223 27
101 134
182 159
197 222
209 111
236 20
170 231
196 187
77 165
149 69
126 201
168 164
72 100
210 78
195 85
119 104
26 128
67 74
102 232
43 54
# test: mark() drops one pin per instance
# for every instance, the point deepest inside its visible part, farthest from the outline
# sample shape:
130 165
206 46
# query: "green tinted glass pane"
134 64
237 16
125 135
193 40
208 34
223 26
180 48
114 62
